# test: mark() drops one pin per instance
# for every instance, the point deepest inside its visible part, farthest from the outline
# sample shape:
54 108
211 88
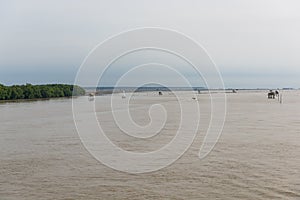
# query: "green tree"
3 92
16 93
29 91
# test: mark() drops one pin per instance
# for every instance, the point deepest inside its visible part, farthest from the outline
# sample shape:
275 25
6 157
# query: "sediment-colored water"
256 157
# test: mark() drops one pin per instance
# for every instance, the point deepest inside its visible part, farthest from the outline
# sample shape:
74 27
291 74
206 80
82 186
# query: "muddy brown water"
256 157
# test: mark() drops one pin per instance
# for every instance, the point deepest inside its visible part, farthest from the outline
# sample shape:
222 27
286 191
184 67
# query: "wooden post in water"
280 98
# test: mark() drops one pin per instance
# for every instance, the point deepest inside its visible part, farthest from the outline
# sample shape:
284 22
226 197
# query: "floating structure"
271 94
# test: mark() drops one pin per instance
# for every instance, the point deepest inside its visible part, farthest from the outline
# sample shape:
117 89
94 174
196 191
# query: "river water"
256 157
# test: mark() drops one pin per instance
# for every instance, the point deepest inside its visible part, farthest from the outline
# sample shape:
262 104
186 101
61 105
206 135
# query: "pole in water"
280 98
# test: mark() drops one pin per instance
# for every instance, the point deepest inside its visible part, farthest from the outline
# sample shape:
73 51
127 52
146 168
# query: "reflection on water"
257 156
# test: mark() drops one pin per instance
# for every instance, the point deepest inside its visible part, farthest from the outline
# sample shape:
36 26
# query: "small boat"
124 95
92 96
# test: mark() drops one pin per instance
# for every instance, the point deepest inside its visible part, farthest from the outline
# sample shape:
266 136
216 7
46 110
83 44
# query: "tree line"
29 91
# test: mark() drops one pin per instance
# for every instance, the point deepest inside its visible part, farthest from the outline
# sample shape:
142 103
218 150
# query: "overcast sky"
255 43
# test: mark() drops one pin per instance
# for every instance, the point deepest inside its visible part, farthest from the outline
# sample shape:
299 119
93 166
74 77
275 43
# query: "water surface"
257 156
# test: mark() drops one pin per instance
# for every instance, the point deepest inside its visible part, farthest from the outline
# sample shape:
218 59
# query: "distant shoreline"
103 91
106 91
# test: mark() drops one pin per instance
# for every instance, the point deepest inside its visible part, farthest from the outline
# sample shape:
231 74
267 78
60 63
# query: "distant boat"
195 97
92 96
124 95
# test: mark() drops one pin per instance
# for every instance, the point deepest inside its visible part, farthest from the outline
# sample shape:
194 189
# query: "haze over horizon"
255 44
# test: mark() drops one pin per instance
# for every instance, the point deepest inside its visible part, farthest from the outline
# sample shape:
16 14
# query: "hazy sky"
255 43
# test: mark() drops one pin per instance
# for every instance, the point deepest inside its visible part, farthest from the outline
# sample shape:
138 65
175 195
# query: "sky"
254 43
